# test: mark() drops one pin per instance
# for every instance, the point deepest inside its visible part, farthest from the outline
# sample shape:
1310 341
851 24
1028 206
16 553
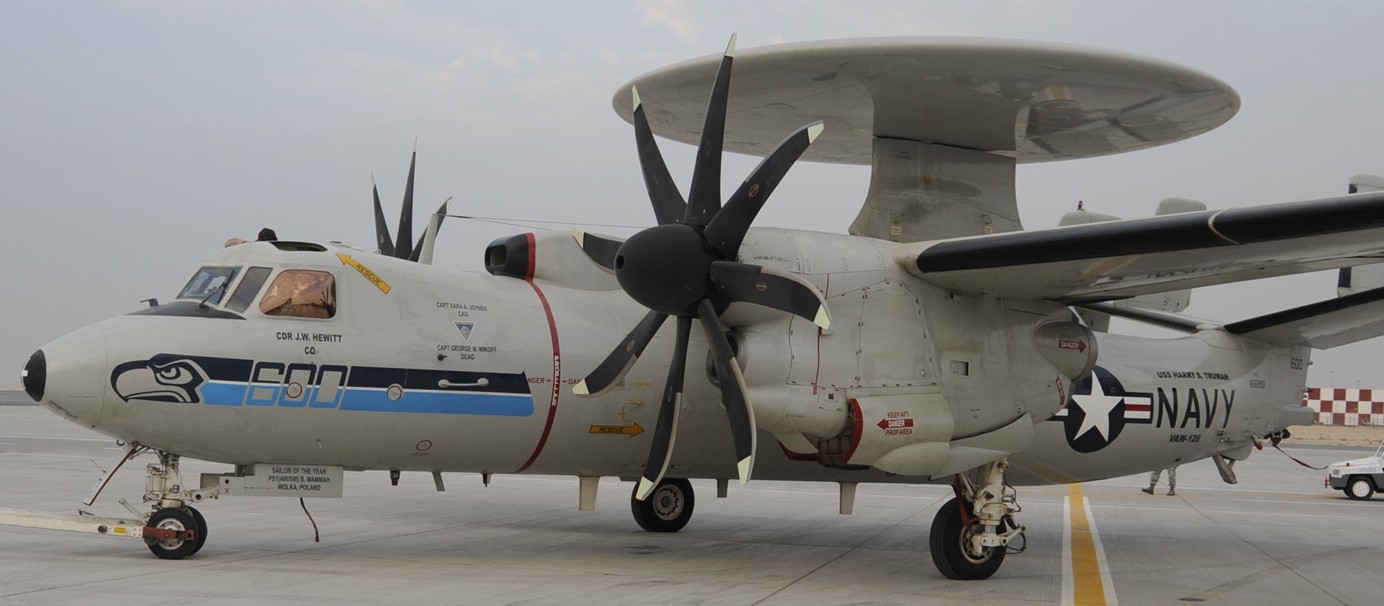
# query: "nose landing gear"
174 530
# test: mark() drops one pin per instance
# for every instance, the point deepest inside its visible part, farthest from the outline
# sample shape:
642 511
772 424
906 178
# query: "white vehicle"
1358 478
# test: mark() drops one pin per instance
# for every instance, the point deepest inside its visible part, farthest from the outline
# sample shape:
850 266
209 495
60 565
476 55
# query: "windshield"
247 289
209 284
300 293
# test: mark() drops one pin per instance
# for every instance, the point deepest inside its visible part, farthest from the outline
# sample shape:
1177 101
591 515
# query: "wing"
1322 325
1119 259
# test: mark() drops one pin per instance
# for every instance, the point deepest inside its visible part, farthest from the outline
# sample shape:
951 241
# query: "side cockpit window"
300 293
209 284
247 289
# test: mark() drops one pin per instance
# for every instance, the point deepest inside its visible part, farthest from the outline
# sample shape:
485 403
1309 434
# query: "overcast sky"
137 136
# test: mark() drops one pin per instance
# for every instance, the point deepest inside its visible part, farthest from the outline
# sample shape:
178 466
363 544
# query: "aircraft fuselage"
421 368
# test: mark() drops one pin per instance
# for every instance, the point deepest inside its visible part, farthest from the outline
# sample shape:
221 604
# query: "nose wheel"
173 533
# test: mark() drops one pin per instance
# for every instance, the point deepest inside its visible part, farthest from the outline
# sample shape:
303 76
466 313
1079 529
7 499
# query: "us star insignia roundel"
1098 410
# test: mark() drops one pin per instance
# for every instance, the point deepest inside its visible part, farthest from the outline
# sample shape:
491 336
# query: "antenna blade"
403 247
382 240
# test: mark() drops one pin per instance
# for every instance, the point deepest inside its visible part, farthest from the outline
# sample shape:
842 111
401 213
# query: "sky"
137 136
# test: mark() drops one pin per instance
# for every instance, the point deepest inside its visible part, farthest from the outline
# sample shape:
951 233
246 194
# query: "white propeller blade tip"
744 467
645 489
813 131
822 320
580 389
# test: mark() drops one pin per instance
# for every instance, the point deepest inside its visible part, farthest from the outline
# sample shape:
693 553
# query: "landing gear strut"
668 508
174 530
971 533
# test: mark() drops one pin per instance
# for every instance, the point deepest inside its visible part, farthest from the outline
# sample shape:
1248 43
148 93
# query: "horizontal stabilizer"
1323 325
1120 259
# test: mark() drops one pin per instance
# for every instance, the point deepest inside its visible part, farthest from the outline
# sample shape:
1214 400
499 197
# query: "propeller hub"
666 268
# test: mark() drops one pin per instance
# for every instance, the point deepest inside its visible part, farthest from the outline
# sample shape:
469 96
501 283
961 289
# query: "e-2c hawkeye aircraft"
939 342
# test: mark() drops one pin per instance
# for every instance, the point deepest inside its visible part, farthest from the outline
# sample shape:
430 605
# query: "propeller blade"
775 290
669 206
403 247
423 251
614 367
726 231
382 239
600 248
666 431
704 197
733 397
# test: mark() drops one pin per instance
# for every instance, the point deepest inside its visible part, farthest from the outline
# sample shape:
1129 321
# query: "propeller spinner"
685 267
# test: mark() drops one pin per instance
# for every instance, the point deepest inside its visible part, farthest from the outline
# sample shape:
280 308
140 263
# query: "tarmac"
1277 537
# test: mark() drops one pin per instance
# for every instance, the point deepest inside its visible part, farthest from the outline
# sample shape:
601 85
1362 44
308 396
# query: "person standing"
1172 480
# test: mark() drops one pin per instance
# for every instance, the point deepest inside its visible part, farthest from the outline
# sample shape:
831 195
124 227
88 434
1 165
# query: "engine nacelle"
906 434
1068 346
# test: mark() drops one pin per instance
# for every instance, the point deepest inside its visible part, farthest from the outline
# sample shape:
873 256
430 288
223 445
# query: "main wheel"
949 542
1360 488
201 525
173 518
668 508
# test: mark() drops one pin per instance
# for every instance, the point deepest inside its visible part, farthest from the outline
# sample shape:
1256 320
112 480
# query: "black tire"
1360 488
172 518
201 524
947 544
668 508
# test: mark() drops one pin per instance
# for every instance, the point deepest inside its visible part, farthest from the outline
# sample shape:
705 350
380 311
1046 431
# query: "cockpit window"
300 293
209 284
247 289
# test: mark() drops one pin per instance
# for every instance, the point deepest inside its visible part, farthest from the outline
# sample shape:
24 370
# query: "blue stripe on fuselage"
434 402
217 393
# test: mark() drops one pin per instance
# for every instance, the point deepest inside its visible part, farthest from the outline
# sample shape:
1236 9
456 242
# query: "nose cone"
35 375
69 375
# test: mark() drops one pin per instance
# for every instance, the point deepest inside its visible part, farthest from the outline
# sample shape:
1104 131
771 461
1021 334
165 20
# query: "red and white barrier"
1350 407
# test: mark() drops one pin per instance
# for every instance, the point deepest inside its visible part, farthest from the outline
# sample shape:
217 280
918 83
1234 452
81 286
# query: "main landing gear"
972 532
174 530
668 508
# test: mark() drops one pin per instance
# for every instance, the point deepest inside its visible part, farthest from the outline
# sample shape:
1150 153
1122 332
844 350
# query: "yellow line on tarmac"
1088 580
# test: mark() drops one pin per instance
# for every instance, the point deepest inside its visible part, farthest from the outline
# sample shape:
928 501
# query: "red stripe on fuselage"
557 359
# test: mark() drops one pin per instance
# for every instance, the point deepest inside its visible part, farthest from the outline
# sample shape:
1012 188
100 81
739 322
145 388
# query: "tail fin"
1359 279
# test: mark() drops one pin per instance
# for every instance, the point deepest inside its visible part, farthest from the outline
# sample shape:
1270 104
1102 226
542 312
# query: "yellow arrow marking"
365 271
629 430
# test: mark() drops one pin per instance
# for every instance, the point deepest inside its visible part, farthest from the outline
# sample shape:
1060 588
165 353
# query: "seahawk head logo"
159 379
